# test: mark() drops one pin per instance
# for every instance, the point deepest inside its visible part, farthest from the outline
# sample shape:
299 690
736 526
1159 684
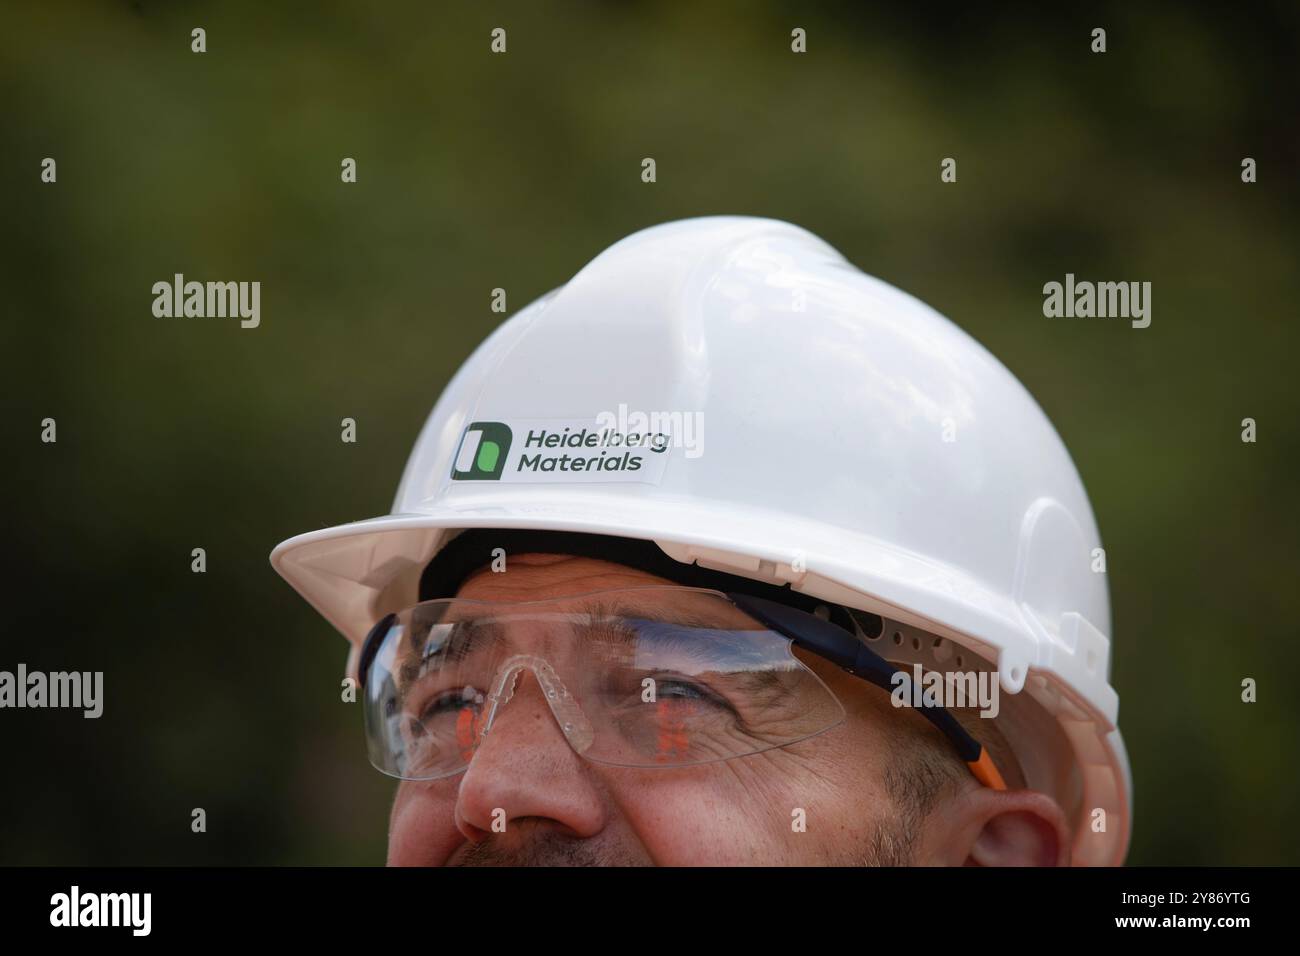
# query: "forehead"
549 577
531 577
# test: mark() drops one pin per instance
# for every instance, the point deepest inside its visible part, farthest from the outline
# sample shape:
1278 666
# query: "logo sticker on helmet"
554 451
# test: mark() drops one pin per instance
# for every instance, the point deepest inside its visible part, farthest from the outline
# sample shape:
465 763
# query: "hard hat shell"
849 440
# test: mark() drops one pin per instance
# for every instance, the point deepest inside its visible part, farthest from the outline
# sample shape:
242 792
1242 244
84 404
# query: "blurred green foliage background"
478 171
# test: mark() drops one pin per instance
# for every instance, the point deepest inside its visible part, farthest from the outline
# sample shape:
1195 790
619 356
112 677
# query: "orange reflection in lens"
469 731
673 738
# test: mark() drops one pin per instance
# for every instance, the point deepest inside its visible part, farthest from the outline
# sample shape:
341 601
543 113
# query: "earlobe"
1011 828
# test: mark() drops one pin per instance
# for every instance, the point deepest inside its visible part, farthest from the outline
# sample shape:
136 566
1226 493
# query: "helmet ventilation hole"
871 626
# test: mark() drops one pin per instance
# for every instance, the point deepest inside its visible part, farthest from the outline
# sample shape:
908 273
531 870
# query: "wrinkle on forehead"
532 576
555 579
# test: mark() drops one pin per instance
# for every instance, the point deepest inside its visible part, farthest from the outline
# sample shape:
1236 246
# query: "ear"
986 827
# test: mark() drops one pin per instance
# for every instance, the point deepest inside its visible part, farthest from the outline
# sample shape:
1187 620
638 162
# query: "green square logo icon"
482 452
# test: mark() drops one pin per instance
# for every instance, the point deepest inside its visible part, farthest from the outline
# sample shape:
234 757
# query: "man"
726 553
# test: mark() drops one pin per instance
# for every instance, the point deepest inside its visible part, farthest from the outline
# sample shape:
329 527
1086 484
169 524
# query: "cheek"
698 816
422 829
743 811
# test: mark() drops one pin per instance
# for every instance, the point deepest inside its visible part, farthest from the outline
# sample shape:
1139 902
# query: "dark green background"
478 171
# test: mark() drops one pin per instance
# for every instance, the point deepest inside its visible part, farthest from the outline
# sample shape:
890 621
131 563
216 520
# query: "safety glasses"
657 676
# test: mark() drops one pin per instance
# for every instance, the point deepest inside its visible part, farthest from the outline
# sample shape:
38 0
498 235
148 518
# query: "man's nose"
525 767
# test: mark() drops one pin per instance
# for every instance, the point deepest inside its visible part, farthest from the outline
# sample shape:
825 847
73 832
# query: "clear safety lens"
638 677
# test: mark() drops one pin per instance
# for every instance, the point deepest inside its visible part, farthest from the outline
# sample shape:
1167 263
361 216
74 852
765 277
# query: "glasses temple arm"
835 644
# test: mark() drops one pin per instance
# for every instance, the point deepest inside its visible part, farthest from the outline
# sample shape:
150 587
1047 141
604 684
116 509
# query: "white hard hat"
847 440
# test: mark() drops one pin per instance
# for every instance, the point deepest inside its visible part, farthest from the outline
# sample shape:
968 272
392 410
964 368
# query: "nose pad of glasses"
573 722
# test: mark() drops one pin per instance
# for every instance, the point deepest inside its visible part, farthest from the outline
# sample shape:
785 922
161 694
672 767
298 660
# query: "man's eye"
450 701
676 688
680 690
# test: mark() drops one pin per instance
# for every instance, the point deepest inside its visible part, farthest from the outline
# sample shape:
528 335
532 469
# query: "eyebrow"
471 636
608 625
685 617
465 637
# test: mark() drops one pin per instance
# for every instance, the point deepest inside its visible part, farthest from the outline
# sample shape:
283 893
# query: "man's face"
561 809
